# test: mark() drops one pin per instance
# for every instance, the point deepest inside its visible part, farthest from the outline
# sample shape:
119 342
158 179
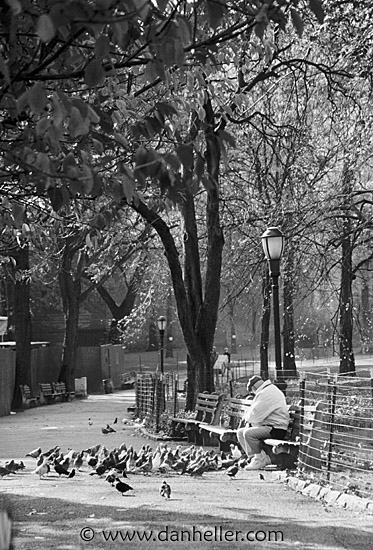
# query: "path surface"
218 512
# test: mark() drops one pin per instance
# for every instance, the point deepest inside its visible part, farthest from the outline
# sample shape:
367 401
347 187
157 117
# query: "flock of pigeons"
114 465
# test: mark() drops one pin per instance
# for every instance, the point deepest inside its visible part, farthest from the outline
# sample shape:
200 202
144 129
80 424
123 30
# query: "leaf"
185 154
56 197
69 165
18 213
318 10
4 69
15 6
226 136
87 179
94 74
297 22
45 28
102 46
37 98
128 187
259 29
215 12
166 109
185 31
77 125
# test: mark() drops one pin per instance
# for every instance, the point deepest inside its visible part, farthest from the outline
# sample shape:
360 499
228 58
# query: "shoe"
259 463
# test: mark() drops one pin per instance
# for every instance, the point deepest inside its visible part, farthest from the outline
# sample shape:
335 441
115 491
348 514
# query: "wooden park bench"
59 390
208 409
50 393
225 432
27 399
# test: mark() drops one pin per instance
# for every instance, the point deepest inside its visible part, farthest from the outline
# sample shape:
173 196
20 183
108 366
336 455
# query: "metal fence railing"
342 441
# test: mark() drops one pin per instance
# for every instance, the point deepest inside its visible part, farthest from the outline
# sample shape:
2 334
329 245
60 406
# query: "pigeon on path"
165 490
35 453
122 487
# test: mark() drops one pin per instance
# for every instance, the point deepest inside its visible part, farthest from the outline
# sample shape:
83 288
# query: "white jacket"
268 408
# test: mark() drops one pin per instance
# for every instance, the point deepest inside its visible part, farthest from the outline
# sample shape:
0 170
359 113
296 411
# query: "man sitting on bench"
267 417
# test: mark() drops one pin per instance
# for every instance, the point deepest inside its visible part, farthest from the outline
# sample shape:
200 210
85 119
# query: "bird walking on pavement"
261 476
232 471
165 490
43 469
5 471
35 453
60 469
122 487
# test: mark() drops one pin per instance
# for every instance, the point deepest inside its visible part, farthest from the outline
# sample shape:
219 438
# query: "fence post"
333 394
175 395
157 402
302 391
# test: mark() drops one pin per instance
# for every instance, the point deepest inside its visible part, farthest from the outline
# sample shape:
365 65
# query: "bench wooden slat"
208 410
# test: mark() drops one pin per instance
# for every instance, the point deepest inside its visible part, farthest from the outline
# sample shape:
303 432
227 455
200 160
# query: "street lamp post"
273 245
160 393
161 327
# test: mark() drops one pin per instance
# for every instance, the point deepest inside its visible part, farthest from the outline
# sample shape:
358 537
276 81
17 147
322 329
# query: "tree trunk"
70 295
266 316
289 366
22 323
197 304
347 359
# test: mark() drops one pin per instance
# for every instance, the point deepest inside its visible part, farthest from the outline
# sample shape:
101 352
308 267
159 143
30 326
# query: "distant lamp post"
273 242
161 321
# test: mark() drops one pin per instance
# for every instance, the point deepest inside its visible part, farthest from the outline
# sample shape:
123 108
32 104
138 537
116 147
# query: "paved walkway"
53 513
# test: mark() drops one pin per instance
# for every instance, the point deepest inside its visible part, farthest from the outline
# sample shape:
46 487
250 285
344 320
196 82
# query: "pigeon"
5 471
93 461
35 453
261 476
14 466
78 462
235 452
90 422
165 490
43 469
111 478
60 469
108 429
122 487
232 471
51 451
100 470
115 421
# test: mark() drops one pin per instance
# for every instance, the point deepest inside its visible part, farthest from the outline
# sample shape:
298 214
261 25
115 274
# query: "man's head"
254 383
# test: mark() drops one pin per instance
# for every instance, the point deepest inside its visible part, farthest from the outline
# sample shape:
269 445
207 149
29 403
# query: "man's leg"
242 441
253 438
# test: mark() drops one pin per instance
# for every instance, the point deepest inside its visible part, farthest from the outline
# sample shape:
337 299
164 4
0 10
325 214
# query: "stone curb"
328 496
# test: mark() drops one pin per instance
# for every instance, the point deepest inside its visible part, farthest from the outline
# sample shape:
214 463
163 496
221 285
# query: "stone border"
327 495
